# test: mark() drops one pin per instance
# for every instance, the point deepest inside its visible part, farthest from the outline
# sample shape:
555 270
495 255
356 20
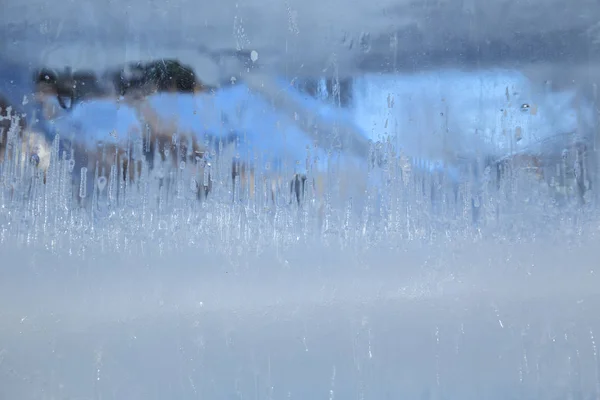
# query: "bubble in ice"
254 55
101 183
182 165
71 165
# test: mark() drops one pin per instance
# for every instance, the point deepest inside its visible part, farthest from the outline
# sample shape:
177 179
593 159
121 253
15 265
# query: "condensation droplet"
518 133
101 183
365 42
35 160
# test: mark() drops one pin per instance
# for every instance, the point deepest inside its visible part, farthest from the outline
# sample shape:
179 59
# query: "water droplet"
101 183
518 134
348 41
254 55
365 42
35 159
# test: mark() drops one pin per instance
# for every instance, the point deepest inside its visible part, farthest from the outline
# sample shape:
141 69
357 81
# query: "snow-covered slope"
452 115
262 134
444 118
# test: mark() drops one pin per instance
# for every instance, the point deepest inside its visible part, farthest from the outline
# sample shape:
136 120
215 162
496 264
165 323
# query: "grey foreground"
464 320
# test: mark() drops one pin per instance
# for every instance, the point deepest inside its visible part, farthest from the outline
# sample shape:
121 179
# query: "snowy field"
445 247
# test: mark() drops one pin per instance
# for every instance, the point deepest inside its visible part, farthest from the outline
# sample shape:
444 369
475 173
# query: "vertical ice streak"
83 183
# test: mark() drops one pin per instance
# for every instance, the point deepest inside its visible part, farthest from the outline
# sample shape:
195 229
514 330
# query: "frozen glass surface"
299 199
